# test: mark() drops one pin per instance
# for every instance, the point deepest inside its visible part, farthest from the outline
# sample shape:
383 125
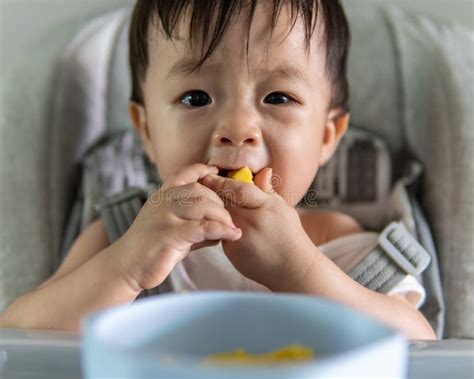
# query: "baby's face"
272 112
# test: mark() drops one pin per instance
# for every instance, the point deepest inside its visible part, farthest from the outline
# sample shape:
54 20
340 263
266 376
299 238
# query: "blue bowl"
168 336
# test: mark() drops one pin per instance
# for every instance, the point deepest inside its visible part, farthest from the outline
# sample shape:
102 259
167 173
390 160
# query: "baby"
217 86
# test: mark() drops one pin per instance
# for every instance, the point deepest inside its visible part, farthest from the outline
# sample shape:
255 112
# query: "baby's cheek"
170 159
284 185
294 185
166 167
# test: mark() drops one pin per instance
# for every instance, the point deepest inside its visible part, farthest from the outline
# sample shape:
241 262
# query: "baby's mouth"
224 172
243 174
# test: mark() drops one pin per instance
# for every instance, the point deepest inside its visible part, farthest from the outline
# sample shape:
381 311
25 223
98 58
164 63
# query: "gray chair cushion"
436 76
429 113
39 153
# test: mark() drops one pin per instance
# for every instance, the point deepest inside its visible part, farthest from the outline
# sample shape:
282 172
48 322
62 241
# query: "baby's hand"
274 245
183 215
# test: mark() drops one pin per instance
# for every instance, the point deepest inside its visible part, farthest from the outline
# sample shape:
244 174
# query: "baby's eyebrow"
182 67
289 72
286 71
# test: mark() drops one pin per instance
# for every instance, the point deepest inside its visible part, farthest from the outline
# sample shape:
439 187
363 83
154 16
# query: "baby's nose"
236 128
237 137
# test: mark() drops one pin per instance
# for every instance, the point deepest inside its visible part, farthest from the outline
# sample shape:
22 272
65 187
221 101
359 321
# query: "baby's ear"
334 130
138 118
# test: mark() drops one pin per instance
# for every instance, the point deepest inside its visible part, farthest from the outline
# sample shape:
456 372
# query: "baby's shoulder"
325 226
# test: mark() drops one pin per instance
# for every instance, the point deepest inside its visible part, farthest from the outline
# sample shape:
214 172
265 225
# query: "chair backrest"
411 83
40 149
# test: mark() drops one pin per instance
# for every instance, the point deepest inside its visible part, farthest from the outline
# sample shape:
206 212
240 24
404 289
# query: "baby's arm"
324 278
277 250
95 275
89 279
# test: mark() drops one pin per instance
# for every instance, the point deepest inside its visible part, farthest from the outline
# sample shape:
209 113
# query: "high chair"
411 85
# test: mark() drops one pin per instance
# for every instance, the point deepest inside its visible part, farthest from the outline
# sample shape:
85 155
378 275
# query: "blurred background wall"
459 11
23 22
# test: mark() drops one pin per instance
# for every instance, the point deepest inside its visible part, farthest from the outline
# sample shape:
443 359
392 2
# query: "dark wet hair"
204 12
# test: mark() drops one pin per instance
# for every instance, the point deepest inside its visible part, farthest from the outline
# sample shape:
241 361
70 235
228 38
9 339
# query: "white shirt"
210 269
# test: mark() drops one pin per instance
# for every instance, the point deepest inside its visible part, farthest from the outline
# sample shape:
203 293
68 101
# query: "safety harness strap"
119 211
396 255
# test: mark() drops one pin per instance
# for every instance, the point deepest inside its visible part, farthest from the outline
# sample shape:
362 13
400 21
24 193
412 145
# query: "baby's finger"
194 190
236 193
197 231
189 174
202 244
263 180
200 208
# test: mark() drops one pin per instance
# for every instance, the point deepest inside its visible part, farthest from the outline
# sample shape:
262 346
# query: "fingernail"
270 176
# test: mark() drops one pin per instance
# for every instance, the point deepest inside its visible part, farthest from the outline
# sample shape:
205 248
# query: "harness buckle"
404 249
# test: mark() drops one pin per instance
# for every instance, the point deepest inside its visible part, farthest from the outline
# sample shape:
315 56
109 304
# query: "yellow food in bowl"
289 354
243 174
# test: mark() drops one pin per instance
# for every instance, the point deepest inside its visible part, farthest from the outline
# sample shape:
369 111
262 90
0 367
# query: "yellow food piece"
243 174
289 354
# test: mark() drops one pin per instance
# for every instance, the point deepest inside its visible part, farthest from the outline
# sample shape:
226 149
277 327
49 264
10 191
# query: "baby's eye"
196 99
278 98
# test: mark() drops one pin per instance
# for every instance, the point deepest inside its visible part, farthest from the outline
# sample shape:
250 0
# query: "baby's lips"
263 178
242 174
